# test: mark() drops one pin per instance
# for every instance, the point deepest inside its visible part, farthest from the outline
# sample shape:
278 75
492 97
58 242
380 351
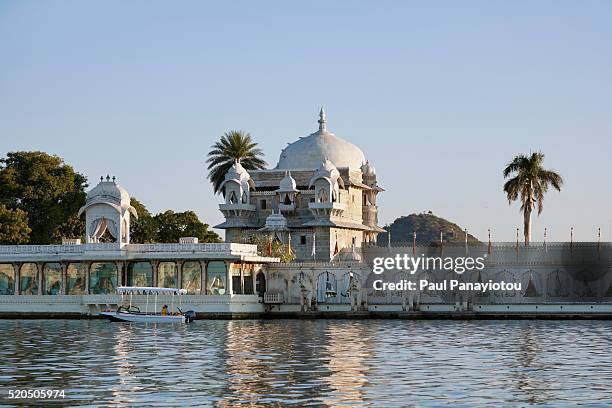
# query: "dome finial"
322 120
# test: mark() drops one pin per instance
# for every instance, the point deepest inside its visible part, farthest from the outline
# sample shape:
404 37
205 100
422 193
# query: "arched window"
191 276
52 278
287 200
326 288
245 198
7 279
28 279
233 199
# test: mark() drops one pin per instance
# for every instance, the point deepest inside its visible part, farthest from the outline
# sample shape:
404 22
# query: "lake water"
310 362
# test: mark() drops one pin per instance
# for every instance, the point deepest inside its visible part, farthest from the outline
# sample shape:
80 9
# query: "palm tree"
234 145
530 183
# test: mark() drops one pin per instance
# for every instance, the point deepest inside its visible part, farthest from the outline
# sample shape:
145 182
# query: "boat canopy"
146 290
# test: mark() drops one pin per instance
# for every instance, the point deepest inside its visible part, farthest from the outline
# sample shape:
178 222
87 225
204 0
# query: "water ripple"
386 363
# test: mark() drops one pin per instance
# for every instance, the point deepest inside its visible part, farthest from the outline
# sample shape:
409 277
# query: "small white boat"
132 313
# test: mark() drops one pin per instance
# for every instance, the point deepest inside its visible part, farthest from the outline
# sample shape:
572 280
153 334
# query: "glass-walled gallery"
100 277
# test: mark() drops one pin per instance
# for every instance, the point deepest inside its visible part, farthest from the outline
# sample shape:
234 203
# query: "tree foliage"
143 229
233 145
171 226
45 188
73 227
13 226
40 197
271 247
528 183
168 226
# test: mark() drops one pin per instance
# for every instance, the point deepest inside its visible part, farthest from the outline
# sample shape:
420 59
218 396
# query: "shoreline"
325 315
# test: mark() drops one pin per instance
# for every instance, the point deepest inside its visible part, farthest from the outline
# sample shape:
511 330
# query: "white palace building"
320 200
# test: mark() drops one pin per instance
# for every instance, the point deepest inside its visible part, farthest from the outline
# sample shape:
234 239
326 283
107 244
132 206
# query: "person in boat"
164 311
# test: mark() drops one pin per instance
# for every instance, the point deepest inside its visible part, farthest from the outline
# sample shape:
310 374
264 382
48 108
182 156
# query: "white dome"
238 174
308 152
326 170
276 222
368 170
109 190
287 184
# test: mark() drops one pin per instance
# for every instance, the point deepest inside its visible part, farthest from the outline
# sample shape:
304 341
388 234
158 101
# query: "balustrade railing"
223 248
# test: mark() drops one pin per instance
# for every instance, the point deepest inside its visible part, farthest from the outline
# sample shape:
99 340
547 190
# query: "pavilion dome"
308 152
240 175
287 184
109 190
110 193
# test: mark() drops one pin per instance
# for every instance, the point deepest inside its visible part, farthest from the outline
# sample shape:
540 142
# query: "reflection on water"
311 362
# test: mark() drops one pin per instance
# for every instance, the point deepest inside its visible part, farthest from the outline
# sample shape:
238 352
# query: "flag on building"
336 250
289 244
314 246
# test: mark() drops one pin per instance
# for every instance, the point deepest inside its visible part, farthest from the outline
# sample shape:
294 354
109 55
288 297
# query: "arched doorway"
327 288
260 284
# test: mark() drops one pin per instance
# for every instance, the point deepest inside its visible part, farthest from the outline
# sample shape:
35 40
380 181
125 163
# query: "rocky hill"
428 228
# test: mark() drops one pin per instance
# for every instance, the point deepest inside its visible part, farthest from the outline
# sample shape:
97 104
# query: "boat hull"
142 318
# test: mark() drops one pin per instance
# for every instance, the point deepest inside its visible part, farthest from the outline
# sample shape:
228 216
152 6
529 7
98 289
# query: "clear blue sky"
439 95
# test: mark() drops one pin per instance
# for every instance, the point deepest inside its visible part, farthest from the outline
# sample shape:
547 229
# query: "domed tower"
370 209
237 185
237 209
108 208
287 193
327 183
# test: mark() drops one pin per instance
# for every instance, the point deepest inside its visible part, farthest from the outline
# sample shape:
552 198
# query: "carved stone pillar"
39 268
155 265
16 268
64 266
120 275
203 277
87 272
242 278
179 274
228 269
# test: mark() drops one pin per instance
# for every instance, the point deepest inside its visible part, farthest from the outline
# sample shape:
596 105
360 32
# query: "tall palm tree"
233 145
530 183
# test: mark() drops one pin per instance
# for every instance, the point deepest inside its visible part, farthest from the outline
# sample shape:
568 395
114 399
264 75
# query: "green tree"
144 229
233 145
73 227
171 226
529 182
266 246
43 186
13 226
